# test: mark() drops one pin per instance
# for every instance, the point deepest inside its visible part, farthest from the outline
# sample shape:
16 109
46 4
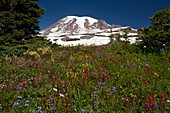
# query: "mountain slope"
73 30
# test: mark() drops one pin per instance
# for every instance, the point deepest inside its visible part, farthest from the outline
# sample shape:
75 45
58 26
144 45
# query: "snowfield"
74 30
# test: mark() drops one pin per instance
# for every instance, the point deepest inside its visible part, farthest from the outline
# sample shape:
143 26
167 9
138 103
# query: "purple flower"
50 99
95 105
82 111
15 105
156 106
101 84
19 101
39 109
20 97
114 90
162 50
53 110
19 88
95 95
27 103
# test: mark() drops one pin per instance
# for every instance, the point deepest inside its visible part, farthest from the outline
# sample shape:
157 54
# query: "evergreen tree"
156 36
18 20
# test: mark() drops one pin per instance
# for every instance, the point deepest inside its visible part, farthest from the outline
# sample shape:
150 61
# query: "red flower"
147 106
88 58
161 98
150 98
140 78
24 83
58 79
146 83
153 105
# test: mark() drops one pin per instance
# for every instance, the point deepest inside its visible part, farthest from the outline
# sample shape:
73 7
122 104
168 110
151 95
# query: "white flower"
168 101
61 95
55 89
144 46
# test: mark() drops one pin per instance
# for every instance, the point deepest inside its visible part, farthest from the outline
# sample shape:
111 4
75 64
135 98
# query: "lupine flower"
95 95
24 83
103 84
15 105
50 99
19 99
53 110
95 105
156 106
27 103
82 111
162 50
99 84
19 88
39 109
114 90
0 106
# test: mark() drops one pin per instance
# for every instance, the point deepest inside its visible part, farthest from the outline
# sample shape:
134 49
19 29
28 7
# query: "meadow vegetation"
111 78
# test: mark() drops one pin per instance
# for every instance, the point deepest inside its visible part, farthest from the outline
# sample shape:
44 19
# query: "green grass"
86 77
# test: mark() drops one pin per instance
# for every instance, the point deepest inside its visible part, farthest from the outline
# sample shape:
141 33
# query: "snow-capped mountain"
74 30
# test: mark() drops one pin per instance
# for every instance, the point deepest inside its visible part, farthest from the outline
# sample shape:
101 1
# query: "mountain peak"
82 29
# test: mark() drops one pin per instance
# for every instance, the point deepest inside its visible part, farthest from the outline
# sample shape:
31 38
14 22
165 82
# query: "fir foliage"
18 20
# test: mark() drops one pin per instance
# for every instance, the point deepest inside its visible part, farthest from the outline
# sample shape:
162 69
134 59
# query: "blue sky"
134 13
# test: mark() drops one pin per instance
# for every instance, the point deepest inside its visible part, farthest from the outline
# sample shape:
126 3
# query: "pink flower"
127 100
58 60
24 83
108 91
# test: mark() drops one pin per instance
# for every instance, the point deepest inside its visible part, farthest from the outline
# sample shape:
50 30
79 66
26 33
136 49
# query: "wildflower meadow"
95 79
